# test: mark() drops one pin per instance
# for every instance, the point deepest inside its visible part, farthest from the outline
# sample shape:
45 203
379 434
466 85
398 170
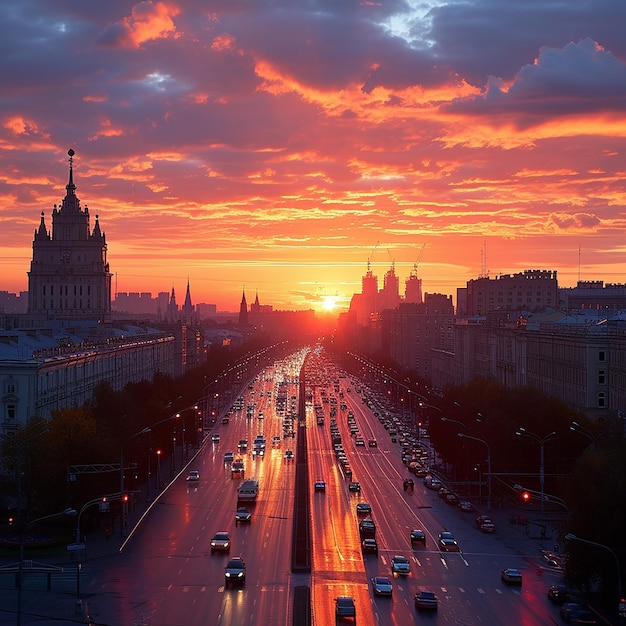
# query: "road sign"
75 546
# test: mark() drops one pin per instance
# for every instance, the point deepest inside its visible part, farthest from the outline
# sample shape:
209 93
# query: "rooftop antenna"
578 262
483 261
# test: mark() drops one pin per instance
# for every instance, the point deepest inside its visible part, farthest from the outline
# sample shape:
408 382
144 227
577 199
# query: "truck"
248 490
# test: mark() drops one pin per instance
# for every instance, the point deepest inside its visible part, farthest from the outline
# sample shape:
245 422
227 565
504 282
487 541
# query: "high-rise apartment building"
69 275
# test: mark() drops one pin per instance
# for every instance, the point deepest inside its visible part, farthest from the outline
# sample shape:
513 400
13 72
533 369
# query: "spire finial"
70 184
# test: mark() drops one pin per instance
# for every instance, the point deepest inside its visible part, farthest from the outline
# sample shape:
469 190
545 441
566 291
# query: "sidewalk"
56 597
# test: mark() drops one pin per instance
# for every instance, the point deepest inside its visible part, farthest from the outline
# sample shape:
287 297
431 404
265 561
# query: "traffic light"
125 498
525 496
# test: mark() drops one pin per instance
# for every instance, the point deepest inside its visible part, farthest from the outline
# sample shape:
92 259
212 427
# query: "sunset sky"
280 145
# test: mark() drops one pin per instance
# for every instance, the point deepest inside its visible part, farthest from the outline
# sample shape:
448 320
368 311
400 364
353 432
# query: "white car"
193 476
215 438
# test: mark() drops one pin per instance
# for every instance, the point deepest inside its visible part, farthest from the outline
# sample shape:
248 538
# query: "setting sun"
329 303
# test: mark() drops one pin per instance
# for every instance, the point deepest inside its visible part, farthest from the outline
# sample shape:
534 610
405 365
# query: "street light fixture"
575 427
447 419
464 436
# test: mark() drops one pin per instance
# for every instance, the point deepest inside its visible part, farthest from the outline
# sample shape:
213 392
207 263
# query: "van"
248 491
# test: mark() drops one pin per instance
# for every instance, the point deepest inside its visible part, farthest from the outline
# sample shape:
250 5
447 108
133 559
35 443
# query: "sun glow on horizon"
329 303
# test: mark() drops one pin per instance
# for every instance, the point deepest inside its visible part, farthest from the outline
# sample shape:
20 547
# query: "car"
344 607
452 499
320 485
237 467
372 443
425 599
381 586
288 455
220 542
367 528
511 576
215 438
487 527
354 486
193 476
417 536
369 546
569 610
400 565
228 457
551 559
559 594
447 543
466 506
481 519
275 440
235 572
242 515
363 508
432 483
243 444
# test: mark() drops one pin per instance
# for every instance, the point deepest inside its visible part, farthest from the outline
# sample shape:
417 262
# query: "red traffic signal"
125 497
525 496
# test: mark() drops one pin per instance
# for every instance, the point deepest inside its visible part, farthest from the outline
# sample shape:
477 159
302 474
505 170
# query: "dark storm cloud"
579 78
483 38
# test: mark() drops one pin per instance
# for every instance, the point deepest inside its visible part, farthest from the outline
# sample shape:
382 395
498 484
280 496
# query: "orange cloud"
19 125
148 21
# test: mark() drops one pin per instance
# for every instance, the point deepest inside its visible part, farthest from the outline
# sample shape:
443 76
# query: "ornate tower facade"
69 275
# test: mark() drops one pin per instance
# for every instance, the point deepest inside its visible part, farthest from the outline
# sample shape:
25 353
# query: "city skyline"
260 148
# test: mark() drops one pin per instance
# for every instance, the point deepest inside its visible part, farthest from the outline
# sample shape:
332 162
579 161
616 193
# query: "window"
601 377
601 400
601 355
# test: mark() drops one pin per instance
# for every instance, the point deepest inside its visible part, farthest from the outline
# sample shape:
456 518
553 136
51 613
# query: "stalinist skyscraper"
69 275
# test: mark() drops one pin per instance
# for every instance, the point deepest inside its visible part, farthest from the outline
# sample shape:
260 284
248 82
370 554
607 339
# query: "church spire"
243 310
188 307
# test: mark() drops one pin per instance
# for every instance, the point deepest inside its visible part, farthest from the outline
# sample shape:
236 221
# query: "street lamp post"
464 436
541 441
122 472
572 537
183 437
158 470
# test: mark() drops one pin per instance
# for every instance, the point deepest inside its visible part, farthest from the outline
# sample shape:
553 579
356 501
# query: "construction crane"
419 256
371 256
